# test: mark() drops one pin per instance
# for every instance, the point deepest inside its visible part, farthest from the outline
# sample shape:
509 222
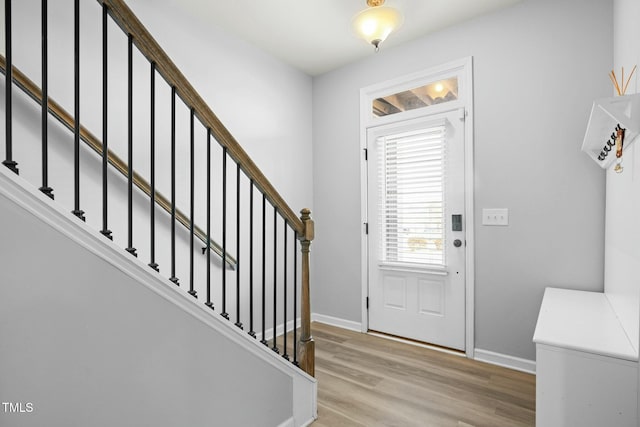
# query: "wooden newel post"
306 345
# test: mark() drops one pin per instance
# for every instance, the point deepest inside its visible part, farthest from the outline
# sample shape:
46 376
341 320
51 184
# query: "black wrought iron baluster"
238 323
105 144
130 247
284 293
76 129
275 280
45 104
264 247
191 292
173 277
251 331
8 162
152 151
209 303
295 300
224 234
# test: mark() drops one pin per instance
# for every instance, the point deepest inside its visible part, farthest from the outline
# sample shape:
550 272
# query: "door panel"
395 292
416 273
431 294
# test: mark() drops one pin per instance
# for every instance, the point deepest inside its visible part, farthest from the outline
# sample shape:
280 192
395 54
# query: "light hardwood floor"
366 381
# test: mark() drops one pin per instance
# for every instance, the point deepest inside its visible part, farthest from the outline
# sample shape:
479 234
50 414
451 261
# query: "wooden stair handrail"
147 45
67 120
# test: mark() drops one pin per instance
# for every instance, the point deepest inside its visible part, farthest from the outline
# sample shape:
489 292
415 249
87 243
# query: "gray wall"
265 103
537 67
89 346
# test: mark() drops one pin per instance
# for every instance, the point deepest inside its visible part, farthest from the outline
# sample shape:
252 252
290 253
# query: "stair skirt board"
25 196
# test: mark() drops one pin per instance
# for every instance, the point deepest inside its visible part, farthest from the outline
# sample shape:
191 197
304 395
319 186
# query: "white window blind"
411 189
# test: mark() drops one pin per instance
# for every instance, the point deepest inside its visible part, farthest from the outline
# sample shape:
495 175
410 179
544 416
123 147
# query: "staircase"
187 309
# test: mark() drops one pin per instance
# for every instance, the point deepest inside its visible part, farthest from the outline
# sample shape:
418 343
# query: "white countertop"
583 321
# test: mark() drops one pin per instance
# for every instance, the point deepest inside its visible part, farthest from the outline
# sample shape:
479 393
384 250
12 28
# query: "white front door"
416 240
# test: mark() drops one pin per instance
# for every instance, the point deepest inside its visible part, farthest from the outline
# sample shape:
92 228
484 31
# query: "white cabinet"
586 367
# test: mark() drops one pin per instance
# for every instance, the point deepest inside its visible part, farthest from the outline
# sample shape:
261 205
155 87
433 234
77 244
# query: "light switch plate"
495 217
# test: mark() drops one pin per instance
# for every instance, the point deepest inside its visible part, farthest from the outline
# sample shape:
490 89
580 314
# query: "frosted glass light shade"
374 24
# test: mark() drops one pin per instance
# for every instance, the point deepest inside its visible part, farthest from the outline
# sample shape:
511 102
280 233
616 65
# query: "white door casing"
429 283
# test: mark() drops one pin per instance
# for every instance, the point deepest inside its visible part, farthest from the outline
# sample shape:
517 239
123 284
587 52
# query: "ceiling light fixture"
375 23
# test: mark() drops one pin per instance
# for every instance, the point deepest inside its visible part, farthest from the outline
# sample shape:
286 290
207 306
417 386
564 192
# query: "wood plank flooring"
366 381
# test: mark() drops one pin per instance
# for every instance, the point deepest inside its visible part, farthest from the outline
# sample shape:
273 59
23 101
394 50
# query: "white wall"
537 67
622 246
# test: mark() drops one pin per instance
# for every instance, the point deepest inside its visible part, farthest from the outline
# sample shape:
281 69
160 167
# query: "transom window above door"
433 93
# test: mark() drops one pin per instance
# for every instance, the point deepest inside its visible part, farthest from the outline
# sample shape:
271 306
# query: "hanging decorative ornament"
619 147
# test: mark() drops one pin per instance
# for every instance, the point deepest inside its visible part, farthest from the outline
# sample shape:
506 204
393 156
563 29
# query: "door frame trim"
464 67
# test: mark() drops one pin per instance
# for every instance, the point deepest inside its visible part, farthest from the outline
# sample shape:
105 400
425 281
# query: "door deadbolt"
456 222
457 243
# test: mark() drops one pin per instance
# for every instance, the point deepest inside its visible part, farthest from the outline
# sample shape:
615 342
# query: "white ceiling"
316 36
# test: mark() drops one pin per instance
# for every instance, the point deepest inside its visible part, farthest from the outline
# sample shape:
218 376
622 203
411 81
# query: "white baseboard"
288 423
292 423
335 321
506 361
